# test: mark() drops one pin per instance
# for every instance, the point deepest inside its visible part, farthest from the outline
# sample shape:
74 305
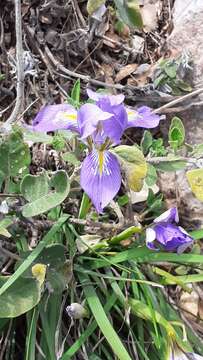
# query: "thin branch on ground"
19 68
178 100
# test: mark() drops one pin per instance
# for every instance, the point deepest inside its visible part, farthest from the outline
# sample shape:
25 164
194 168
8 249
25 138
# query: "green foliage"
20 297
36 137
44 194
123 200
146 141
157 148
58 142
176 133
71 158
166 77
2 76
103 322
151 177
154 146
14 154
74 98
154 203
96 260
170 163
58 272
129 13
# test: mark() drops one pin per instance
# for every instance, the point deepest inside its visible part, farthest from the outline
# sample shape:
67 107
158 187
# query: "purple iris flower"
142 117
165 234
100 126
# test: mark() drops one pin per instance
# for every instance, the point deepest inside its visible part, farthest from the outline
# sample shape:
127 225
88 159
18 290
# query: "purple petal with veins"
55 117
100 178
142 117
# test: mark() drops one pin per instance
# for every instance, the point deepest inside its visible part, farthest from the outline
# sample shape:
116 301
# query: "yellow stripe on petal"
130 112
101 161
70 116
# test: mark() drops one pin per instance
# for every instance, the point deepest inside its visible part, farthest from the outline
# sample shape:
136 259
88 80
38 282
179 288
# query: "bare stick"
85 78
180 99
19 67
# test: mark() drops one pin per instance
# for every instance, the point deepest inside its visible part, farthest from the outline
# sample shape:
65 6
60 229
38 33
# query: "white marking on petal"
167 215
150 235
183 230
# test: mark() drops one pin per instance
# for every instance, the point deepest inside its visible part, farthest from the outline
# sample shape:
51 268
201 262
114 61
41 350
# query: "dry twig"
19 67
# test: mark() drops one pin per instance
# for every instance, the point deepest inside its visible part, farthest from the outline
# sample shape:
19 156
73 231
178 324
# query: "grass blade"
103 322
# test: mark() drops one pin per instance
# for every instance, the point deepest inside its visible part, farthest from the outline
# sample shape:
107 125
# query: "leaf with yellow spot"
134 164
39 272
195 179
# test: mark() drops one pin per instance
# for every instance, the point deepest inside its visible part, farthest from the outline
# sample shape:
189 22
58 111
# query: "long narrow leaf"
103 322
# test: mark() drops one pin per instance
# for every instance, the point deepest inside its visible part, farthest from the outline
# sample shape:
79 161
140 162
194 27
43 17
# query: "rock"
187 37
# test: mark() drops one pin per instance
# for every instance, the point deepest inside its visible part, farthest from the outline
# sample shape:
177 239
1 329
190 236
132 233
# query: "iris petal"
89 117
100 178
55 117
142 117
113 99
168 216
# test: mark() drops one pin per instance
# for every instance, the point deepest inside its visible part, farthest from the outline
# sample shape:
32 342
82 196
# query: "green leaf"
71 158
34 187
176 133
144 255
14 154
75 93
6 222
129 13
34 254
93 5
143 311
59 271
171 69
195 179
151 177
123 200
146 141
103 321
172 164
133 13
134 165
58 142
36 137
182 85
32 319
21 296
43 198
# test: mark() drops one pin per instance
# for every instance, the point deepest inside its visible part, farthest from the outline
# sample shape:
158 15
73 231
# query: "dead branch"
19 68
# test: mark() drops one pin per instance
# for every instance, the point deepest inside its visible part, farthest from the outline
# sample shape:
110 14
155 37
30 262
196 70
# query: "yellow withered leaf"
195 179
39 272
134 164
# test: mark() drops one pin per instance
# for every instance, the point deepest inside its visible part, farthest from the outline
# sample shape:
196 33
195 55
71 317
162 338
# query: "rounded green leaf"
34 188
20 297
